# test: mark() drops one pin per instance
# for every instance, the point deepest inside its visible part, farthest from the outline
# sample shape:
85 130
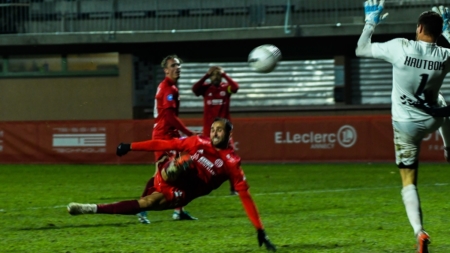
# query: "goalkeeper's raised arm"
373 16
444 13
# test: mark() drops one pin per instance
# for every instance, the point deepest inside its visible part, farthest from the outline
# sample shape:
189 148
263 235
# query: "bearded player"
208 163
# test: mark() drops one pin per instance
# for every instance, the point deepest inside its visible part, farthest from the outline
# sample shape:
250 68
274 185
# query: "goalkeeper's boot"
447 154
423 239
142 217
180 214
77 208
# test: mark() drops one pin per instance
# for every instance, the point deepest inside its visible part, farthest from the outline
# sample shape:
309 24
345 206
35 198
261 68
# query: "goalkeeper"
419 68
206 164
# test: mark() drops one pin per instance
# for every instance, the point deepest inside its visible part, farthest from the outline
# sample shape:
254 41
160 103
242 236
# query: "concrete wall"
69 98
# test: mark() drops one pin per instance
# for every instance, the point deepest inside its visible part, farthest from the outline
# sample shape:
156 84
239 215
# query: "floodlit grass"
305 208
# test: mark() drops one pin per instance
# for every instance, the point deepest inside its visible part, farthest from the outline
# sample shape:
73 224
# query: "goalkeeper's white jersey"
418 69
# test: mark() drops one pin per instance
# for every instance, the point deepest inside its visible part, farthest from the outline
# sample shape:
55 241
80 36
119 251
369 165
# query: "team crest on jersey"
210 94
169 97
218 163
223 93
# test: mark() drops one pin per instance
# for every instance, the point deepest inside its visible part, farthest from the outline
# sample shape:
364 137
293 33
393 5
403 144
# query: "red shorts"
175 195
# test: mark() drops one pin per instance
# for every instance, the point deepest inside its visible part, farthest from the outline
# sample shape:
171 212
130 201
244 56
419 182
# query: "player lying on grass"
205 165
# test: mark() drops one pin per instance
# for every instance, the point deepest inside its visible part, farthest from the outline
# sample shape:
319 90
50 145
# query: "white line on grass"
331 190
262 194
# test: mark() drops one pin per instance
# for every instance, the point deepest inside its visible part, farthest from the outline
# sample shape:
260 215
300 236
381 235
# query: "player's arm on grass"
373 14
253 215
444 12
237 178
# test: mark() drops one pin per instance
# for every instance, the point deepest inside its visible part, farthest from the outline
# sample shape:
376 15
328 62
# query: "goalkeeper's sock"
412 206
123 207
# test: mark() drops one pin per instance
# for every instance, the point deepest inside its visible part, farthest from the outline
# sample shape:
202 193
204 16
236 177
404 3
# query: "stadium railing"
100 16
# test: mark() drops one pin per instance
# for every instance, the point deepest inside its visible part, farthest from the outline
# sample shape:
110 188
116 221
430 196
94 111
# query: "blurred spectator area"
60 16
14 15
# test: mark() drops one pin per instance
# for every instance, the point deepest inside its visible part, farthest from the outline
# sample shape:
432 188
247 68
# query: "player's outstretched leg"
123 207
78 208
154 201
142 216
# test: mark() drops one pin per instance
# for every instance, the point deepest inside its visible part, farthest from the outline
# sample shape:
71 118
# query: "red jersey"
166 97
211 167
216 99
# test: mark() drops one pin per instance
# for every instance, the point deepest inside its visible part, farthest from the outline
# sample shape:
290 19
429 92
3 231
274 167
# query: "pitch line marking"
331 190
262 194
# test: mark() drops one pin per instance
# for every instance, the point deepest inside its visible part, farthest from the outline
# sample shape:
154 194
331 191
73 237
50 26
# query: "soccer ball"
264 58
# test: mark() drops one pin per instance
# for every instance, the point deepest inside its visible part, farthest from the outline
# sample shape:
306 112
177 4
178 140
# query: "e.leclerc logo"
346 137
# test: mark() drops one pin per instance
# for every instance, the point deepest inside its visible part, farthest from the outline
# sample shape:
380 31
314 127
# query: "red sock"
123 207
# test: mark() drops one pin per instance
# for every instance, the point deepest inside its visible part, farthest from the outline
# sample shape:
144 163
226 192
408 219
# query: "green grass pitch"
353 208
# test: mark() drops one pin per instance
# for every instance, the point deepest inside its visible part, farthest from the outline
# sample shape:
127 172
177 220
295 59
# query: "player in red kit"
216 98
167 103
207 163
167 124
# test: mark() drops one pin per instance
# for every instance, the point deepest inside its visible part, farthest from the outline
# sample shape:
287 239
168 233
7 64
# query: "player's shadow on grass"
291 248
53 226
310 246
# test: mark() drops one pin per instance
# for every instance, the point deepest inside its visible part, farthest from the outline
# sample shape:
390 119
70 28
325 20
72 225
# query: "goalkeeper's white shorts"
409 135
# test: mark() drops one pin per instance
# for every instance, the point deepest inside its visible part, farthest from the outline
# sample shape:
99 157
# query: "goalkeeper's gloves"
373 12
264 239
443 11
123 149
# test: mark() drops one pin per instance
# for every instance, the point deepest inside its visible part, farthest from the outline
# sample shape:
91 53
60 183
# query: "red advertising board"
277 139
